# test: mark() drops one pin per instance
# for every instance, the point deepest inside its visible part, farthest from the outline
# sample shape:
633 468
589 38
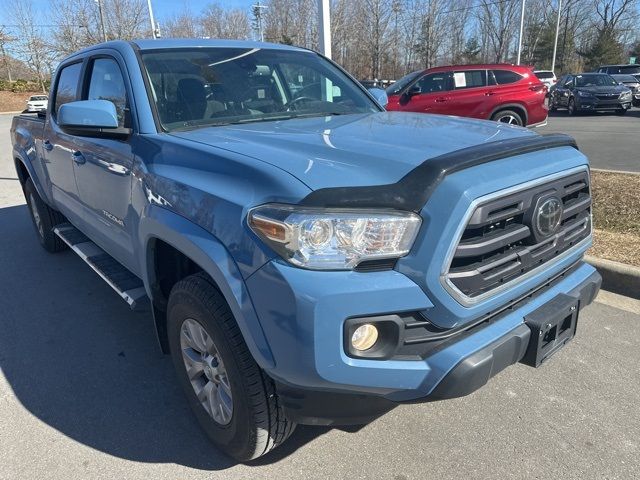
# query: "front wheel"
508 116
571 107
234 401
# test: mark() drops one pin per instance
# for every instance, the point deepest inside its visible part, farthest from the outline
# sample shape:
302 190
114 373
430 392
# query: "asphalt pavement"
611 141
85 393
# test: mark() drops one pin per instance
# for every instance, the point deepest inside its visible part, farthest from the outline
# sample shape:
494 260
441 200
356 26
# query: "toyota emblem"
548 216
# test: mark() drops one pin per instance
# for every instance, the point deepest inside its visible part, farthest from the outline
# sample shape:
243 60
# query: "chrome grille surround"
523 244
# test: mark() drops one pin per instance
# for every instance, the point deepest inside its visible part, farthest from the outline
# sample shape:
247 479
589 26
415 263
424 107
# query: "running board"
125 283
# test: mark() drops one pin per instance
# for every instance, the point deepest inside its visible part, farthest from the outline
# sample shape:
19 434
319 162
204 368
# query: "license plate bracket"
552 326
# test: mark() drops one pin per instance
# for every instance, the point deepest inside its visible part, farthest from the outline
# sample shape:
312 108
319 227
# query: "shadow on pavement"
79 360
634 112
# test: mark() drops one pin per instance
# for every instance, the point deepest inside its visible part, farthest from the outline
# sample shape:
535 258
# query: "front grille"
607 96
500 242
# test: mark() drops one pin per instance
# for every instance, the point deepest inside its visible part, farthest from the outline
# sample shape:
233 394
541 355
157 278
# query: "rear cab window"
67 85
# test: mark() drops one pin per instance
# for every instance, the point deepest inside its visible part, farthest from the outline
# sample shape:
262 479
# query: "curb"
11 113
606 170
617 277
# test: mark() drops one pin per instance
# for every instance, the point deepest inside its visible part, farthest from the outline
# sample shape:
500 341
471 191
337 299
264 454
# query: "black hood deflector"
413 190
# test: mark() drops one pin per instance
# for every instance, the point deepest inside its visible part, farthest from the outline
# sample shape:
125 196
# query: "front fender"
212 256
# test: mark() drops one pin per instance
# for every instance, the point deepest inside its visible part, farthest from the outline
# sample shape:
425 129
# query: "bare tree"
498 21
30 44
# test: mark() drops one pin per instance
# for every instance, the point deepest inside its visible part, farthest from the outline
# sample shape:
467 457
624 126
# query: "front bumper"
595 104
303 314
326 407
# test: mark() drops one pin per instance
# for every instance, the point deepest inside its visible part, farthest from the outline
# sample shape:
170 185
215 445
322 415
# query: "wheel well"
169 266
516 108
23 173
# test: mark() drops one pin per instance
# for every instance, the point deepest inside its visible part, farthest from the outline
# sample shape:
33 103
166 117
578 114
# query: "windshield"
38 98
222 86
630 69
625 78
595 80
542 75
403 82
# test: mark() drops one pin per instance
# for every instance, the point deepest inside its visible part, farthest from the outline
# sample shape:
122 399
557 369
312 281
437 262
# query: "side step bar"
125 283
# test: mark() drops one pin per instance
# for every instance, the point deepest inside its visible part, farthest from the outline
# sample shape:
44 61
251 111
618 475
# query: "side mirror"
91 118
380 95
414 90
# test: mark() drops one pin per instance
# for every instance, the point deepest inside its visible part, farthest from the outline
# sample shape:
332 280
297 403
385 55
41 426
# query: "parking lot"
85 393
610 141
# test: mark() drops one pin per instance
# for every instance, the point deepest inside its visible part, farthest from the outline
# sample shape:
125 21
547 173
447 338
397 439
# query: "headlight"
333 239
584 94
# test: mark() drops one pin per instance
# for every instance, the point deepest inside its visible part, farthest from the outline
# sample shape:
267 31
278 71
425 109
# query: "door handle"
78 157
441 99
47 145
488 94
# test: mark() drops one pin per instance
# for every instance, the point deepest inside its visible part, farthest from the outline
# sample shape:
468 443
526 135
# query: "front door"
430 94
103 166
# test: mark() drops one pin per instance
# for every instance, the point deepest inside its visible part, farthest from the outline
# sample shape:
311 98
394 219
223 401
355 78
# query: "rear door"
469 96
432 94
103 168
58 146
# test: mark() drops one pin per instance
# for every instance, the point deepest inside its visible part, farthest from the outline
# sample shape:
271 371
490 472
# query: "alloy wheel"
206 371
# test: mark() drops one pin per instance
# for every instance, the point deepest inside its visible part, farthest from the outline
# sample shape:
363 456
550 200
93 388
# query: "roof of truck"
161 43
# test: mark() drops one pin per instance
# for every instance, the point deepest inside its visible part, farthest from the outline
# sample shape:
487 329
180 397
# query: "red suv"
504 93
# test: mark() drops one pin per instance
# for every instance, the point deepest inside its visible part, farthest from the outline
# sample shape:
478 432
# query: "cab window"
67 88
107 83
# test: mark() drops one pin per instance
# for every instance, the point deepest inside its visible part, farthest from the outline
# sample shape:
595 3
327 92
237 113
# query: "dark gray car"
590 92
632 83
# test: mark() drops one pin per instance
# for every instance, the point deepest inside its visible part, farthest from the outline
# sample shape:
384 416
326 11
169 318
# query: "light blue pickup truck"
308 258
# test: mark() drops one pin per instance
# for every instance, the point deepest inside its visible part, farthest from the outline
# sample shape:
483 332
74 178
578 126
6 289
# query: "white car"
37 103
547 77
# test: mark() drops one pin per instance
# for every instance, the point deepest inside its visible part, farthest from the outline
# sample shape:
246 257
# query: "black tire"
508 116
552 104
257 424
44 219
621 111
571 107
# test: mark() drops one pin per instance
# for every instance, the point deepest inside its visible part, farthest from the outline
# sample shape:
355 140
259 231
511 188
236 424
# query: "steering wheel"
289 106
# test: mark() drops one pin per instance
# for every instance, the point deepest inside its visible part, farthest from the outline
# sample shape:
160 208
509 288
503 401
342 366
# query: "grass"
616 212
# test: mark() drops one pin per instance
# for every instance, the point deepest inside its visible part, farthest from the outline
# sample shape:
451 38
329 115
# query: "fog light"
364 337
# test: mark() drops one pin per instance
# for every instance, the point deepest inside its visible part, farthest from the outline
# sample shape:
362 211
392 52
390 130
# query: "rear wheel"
508 116
44 219
233 399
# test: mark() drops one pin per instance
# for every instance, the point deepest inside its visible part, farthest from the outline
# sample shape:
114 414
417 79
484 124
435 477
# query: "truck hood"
352 150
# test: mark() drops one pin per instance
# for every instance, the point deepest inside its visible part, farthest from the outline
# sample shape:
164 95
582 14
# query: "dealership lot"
84 392
609 140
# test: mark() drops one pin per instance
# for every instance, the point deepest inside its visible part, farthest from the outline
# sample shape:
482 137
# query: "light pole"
104 32
555 42
155 31
324 30
257 12
521 31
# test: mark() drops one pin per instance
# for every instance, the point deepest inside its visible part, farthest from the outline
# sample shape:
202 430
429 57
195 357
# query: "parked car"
632 83
316 260
547 77
504 93
590 92
630 69
37 103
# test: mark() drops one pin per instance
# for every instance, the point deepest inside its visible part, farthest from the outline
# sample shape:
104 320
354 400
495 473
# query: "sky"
161 8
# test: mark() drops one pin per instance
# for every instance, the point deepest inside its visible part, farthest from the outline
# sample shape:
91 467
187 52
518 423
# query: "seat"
192 99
